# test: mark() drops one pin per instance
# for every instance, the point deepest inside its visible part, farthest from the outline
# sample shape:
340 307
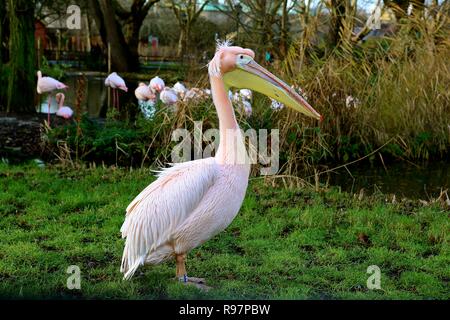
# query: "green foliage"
284 244
54 71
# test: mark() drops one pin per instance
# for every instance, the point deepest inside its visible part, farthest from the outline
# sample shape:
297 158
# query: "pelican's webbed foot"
200 283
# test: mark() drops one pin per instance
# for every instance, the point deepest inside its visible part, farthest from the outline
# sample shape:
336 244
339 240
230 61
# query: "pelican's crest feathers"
214 64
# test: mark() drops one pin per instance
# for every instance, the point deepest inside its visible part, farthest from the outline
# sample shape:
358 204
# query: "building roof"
212 7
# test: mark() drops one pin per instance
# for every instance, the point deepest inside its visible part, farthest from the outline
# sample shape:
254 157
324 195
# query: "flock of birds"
146 95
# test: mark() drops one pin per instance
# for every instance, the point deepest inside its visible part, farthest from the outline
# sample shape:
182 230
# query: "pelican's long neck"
231 143
219 91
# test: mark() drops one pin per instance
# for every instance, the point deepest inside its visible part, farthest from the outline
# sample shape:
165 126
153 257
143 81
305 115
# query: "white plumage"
188 204
191 202
47 84
115 82
144 93
275 105
179 88
246 94
157 84
247 107
168 96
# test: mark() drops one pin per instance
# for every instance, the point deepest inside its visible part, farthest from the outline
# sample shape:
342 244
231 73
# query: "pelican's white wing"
155 214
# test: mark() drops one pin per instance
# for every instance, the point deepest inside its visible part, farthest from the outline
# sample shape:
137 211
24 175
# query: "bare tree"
265 23
111 19
187 13
132 20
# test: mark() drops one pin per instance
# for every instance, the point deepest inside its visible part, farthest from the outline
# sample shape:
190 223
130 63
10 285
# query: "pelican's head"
238 69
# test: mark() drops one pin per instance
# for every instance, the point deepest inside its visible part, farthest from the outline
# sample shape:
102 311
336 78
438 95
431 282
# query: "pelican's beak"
254 77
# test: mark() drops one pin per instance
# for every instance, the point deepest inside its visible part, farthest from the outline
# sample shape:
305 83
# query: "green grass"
284 243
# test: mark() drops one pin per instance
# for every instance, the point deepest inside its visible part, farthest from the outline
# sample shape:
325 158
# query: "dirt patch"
20 135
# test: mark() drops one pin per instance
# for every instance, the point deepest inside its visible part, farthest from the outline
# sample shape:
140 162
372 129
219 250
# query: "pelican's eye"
243 59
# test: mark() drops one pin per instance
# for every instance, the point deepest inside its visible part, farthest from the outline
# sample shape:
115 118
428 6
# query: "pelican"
191 202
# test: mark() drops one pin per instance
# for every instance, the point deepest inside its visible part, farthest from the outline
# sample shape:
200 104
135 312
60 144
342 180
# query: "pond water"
403 180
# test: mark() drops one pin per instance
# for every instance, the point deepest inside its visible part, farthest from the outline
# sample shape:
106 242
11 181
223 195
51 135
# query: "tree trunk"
21 78
121 56
2 68
2 18
138 15
182 42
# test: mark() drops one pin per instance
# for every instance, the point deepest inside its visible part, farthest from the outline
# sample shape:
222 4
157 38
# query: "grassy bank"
284 244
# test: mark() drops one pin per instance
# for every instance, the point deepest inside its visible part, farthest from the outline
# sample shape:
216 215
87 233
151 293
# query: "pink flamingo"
48 84
168 96
63 111
157 84
191 202
116 82
144 93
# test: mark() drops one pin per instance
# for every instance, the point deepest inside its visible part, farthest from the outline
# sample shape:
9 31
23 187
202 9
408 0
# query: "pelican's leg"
181 267
182 275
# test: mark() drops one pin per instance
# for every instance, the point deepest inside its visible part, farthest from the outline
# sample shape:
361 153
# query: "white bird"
180 89
246 94
195 94
352 102
63 111
243 99
230 95
275 105
114 81
144 93
146 100
236 97
168 96
191 202
157 84
247 108
48 84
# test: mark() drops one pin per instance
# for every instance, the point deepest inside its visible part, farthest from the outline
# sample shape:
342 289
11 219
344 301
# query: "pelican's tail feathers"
129 270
